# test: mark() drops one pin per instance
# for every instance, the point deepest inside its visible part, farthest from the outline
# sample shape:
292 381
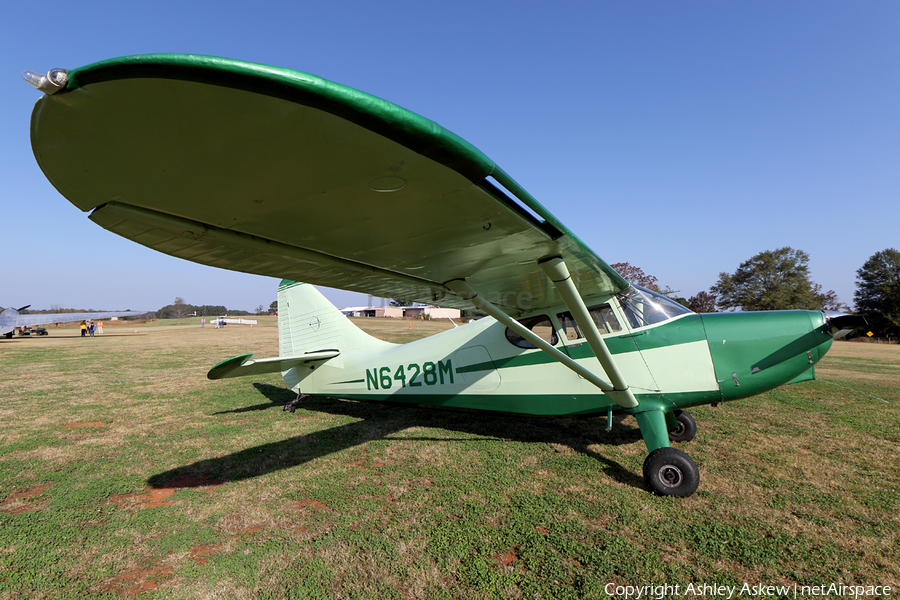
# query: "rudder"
308 322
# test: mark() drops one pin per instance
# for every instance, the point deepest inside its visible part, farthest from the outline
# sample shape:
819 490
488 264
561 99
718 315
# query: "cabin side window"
540 326
603 316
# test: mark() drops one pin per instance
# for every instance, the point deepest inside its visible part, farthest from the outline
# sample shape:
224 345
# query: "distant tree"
208 310
636 276
829 300
877 293
682 301
402 302
703 302
273 308
171 311
772 280
179 309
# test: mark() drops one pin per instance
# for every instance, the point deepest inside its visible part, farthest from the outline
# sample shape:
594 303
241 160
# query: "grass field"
124 472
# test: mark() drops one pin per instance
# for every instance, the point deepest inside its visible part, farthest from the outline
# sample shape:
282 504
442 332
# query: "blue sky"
682 137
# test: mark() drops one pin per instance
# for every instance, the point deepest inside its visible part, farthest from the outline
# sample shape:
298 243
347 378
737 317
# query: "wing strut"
464 290
558 272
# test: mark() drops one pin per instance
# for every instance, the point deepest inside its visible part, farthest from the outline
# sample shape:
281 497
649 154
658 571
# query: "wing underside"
280 173
49 318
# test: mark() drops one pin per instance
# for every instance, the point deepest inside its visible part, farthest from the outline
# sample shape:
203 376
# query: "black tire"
687 427
671 472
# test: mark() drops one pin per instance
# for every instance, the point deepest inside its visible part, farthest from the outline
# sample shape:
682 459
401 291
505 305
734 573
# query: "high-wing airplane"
271 171
11 319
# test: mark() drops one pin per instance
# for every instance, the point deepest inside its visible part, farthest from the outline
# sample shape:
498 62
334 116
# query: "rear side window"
539 325
603 316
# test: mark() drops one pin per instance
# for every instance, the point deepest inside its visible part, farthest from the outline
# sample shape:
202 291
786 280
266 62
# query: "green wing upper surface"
280 173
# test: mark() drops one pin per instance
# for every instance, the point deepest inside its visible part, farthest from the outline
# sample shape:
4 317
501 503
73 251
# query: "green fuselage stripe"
537 404
681 331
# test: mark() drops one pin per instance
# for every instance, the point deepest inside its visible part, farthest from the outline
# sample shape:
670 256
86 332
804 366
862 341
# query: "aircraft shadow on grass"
381 420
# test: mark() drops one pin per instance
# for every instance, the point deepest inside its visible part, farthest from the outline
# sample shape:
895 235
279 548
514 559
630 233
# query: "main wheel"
687 427
671 472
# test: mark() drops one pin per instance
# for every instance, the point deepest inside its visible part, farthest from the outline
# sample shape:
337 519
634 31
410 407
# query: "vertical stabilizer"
308 322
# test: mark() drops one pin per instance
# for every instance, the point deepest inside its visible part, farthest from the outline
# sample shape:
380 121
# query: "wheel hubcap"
670 476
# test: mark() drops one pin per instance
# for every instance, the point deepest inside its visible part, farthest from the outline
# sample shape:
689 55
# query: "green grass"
124 472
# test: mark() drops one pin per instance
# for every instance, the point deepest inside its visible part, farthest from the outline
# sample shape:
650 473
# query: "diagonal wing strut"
558 272
618 390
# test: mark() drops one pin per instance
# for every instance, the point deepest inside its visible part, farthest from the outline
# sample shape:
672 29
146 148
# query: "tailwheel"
671 472
686 429
293 404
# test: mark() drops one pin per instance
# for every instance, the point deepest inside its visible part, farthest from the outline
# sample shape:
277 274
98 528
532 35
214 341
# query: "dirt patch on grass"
140 580
155 497
312 504
16 504
507 558
81 424
157 573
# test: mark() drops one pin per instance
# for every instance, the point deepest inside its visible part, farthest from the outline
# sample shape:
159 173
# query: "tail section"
307 322
311 333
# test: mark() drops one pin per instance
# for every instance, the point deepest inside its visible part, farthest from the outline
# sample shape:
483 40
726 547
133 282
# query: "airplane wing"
10 318
275 172
242 365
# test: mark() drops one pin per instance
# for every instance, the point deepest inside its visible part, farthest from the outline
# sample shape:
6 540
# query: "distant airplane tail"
308 322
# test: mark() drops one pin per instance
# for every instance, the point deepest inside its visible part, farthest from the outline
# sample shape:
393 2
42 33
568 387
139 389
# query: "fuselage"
673 358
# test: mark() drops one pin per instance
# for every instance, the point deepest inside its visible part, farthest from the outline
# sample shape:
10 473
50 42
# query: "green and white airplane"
270 171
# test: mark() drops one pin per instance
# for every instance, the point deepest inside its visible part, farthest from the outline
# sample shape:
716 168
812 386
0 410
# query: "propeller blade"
841 324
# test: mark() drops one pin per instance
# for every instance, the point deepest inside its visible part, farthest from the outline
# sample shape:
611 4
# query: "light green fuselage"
685 361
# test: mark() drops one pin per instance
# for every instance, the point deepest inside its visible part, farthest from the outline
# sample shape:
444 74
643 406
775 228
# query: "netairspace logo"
726 592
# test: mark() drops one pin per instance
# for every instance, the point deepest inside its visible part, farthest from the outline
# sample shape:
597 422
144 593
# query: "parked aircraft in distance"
271 171
11 318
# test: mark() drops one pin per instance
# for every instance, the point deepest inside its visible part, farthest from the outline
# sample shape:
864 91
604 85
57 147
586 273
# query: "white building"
402 312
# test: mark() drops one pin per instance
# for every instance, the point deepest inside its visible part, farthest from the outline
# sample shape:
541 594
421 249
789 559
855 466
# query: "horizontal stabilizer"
242 365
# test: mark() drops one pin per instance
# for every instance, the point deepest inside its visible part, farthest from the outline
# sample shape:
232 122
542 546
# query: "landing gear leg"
668 471
685 427
293 404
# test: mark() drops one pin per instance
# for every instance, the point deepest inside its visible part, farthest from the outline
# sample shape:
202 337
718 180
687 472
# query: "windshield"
643 307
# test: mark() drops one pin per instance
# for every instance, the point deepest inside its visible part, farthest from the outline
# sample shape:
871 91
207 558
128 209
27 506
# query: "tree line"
179 309
780 280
